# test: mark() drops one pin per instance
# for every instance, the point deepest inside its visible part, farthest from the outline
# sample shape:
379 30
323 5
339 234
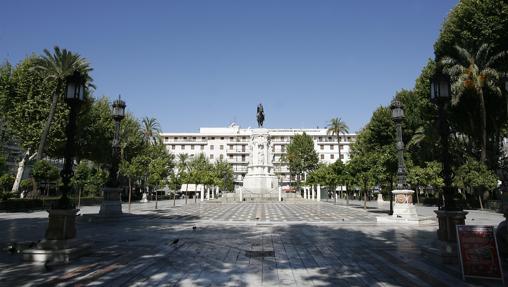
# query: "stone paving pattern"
270 244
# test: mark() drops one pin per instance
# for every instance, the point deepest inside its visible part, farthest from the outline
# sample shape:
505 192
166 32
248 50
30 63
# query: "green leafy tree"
224 175
478 75
45 172
151 130
182 172
199 170
301 156
336 127
6 181
159 167
472 23
475 177
424 177
55 68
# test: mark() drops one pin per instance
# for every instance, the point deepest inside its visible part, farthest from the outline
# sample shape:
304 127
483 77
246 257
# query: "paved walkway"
271 244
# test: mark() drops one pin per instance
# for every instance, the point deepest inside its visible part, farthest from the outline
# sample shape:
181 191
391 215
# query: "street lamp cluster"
62 215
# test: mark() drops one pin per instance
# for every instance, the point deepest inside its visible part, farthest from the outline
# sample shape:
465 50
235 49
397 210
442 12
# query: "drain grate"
259 253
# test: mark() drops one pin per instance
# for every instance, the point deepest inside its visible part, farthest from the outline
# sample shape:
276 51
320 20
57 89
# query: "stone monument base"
59 244
57 251
61 224
111 205
404 210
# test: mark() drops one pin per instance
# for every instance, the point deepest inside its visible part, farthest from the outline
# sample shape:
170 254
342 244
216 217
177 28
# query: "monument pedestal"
260 183
404 210
403 204
59 244
144 198
448 220
111 204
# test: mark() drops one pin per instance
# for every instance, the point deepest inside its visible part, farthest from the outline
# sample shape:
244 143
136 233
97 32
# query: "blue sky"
208 63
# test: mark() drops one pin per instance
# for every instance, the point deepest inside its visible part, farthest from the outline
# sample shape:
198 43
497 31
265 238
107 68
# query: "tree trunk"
186 192
480 193
174 199
483 120
338 145
365 195
79 197
347 195
156 199
417 194
130 194
21 169
45 132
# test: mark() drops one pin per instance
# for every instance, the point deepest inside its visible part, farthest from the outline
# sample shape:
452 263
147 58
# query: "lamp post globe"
397 111
118 109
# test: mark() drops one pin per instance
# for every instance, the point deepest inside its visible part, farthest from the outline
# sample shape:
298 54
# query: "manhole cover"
259 253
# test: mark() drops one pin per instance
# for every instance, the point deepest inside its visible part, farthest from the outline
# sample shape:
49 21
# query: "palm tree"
151 130
56 67
182 169
336 127
476 73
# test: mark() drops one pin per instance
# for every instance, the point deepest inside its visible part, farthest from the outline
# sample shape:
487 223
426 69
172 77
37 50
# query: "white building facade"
231 144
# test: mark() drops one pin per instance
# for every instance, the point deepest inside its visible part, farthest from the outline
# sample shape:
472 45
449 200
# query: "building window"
243 157
213 138
211 147
341 156
230 156
221 147
230 146
202 147
320 139
283 148
332 156
172 146
211 156
322 156
322 147
243 148
221 156
221 138
331 147
192 147
183 147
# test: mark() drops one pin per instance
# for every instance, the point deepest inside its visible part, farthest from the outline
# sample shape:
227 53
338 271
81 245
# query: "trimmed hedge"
24 204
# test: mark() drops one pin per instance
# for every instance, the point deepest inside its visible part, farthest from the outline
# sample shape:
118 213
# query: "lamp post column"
403 207
111 203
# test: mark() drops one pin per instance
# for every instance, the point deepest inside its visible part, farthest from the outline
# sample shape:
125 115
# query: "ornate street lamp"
74 96
450 215
61 225
440 94
398 117
111 205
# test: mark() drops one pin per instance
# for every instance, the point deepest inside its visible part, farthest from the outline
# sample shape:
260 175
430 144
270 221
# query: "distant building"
232 145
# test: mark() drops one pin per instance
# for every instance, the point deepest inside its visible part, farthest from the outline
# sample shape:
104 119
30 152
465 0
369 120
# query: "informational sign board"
479 256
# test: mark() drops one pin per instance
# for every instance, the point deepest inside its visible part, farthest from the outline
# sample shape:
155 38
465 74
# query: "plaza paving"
270 244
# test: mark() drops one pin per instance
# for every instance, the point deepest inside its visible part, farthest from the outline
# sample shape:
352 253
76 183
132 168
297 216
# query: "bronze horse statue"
260 115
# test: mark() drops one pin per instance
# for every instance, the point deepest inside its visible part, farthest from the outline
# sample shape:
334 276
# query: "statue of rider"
260 115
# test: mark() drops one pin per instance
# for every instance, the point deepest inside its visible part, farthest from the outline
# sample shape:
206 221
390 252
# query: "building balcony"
170 141
238 151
